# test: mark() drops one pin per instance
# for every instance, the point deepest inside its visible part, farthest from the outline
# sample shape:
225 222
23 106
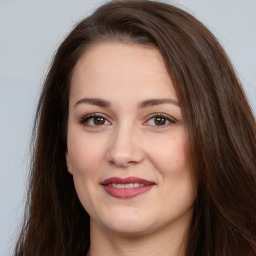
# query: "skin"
128 140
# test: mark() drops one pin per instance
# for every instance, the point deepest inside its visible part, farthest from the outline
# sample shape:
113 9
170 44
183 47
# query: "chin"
128 225
130 231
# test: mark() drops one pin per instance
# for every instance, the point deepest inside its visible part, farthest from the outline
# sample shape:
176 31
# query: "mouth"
126 188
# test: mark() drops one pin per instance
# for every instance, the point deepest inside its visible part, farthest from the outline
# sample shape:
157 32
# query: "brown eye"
98 120
160 121
94 120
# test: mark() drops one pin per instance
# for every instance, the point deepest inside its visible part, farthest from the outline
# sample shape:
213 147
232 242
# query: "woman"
144 142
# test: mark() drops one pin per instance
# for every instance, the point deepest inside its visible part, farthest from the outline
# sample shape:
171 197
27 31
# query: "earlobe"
69 170
68 163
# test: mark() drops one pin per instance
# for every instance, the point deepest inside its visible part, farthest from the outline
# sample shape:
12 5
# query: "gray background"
30 32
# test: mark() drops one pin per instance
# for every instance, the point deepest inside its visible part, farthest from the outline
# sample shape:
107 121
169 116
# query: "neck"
169 241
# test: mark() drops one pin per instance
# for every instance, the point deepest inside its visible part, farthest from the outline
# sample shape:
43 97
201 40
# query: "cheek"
176 176
171 162
85 152
169 156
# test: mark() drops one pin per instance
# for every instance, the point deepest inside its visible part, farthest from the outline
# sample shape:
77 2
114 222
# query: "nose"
125 147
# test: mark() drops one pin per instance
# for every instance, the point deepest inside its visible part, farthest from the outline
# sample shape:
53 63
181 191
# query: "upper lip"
117 180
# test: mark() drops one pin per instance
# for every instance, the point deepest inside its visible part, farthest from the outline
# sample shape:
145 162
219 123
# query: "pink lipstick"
126 188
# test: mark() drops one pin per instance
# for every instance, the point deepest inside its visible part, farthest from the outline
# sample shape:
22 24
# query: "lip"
126 193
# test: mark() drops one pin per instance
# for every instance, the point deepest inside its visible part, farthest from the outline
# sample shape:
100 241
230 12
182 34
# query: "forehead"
111 68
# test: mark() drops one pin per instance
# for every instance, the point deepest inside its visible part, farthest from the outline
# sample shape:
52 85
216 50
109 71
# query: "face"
126 141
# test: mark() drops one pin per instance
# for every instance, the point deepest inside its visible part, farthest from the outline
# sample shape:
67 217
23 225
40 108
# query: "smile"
129 185
126 188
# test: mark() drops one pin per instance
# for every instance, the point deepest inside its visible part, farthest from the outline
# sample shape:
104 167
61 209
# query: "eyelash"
85 120
167 120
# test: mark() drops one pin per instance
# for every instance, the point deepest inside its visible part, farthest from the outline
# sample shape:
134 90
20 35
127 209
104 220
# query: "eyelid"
93 115
169 118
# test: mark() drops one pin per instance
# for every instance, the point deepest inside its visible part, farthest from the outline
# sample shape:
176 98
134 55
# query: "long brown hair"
219 123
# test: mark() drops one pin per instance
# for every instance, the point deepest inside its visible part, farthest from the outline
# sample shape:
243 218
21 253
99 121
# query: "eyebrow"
154 102
146 103
94 101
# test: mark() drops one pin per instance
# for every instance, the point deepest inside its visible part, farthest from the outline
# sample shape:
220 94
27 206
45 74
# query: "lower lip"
126 193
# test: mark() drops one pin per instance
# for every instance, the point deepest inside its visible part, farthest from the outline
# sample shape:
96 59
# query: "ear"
68 163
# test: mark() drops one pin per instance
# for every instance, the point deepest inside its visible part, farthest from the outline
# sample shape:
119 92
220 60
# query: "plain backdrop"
30 32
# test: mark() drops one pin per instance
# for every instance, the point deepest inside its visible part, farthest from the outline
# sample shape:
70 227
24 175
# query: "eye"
160 120
95 120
